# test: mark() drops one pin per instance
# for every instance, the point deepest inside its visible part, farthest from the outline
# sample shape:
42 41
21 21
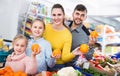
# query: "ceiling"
99 11
95 7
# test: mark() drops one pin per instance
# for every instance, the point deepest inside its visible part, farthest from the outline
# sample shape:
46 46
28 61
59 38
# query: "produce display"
7 71
93 72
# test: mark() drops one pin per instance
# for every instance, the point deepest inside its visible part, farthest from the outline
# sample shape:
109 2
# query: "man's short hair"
80 7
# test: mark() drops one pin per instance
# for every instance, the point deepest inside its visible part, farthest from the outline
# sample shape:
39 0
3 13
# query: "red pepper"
94 62
99 66
48 73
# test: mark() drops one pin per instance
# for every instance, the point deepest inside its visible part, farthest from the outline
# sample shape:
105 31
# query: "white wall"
9 11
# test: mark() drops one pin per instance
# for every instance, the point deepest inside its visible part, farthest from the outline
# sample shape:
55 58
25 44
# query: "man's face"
79 17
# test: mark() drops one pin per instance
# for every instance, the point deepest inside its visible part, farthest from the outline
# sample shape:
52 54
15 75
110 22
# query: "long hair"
60 7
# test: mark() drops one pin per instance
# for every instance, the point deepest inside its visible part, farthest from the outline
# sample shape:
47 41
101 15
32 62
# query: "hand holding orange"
35 47
56 52
84 48
94 34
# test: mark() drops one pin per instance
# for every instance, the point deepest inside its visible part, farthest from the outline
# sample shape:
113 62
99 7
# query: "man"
80 33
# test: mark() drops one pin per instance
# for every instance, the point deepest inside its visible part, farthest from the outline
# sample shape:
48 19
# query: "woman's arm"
67 55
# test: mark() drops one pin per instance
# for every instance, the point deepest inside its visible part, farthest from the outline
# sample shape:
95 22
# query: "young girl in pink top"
18 60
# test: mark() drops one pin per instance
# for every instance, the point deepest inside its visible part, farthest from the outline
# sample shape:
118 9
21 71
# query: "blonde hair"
37 19
18 37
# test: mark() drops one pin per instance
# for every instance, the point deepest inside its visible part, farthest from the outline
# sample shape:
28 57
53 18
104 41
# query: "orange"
6 74
84 48
56 52
16 74
23 74
35 47
8 69
94 34
2 71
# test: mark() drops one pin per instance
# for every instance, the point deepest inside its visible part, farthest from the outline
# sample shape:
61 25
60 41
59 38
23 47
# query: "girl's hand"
8 58
76 51
35 52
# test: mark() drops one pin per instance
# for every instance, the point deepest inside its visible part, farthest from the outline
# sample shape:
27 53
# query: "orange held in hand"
94 34
84 48
35 47
56 52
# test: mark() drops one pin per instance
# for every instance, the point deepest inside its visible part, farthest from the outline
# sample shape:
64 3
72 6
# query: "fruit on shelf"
7 71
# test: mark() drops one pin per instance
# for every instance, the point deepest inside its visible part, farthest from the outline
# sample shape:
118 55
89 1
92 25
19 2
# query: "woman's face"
57 16
37 29
19 46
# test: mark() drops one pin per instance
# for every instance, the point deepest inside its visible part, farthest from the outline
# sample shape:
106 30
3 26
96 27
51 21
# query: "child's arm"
9 58
34 53
30 65
48 54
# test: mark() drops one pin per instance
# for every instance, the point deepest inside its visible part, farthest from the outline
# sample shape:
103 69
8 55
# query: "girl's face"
19 46
37 29
57 16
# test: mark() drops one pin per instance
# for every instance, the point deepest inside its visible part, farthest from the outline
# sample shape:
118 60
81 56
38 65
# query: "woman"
60 37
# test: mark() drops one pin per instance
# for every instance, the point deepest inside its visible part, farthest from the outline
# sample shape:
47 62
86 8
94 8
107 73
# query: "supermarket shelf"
44 15
35 10
115 34
113 44
108 39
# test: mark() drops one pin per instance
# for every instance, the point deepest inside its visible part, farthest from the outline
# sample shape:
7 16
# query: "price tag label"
86 65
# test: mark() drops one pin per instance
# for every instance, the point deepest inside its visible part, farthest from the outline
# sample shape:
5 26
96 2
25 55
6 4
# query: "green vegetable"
93 72
54 75
78 72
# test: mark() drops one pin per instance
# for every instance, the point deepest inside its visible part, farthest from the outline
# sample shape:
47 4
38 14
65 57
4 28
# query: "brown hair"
60 7
80 7
18 37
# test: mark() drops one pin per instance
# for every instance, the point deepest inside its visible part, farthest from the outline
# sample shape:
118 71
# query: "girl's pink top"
22 63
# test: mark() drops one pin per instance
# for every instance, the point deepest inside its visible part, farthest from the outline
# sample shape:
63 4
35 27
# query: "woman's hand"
76 51
57 56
